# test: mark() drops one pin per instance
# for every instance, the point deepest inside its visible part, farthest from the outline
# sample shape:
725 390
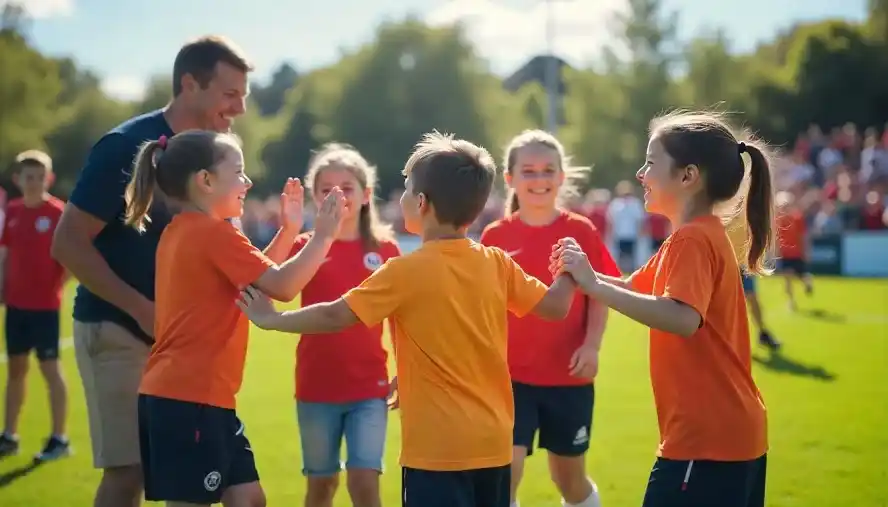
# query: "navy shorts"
561 414
483 487
626 247
28 330
748 284
707 483
797 266
191 452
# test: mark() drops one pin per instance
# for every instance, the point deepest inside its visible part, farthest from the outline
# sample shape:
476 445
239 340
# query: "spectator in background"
873 216
625 217
658 229
873 159
595 209
826 221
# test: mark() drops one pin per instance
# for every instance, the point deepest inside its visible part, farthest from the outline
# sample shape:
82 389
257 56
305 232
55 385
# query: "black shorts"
561 414
36 330
191 452
707 483
483 487
797 266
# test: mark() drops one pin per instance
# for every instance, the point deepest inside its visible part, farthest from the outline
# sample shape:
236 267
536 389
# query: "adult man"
114 308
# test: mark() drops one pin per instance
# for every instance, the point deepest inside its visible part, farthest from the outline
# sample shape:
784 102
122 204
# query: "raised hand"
292 205
257 306
393 399
330 215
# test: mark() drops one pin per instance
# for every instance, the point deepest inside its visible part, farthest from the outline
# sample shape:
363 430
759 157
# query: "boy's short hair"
33 158
455 175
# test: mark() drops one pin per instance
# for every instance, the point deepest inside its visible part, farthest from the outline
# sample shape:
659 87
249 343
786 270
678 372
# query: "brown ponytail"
759 209
140 191
512 204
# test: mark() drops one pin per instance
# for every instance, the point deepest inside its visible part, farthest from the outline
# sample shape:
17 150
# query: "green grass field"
827 399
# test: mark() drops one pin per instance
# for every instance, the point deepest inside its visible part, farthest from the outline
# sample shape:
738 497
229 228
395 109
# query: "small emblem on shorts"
212 481
372 261
582 436
42 224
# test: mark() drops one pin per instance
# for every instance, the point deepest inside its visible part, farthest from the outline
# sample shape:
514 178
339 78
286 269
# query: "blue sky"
127 41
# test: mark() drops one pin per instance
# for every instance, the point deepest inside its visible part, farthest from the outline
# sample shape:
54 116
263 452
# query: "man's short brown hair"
200 57
455 175
33 158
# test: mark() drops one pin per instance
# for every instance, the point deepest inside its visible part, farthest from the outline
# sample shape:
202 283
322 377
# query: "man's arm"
72 246
96 200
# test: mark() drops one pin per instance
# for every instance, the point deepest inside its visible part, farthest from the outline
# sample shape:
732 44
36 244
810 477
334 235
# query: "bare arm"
625 283
315 319
555 305
285 281
72 246
281 245
655 312
596 318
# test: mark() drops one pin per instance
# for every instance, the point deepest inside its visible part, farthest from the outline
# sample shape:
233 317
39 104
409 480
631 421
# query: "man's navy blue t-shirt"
99 192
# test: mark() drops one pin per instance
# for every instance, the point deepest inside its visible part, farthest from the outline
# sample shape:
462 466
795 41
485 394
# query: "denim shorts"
322 427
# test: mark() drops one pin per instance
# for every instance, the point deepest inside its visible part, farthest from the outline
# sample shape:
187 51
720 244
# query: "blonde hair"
344 156
35 158
575 176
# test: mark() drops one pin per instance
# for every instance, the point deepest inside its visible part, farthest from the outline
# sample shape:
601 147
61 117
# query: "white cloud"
125 87
40 9
508 35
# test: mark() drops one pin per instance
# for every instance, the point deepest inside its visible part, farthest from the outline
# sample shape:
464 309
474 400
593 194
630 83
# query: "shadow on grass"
17 473
824 315
778 362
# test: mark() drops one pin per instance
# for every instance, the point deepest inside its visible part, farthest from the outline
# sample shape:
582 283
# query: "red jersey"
871 217
658 226
598 216
350 365
33 279
791 234
540 350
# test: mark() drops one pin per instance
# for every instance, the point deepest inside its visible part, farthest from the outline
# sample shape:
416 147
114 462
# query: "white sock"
514 504
592 501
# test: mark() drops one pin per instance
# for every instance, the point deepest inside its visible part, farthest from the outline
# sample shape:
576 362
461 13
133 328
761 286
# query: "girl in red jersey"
713 422
552 363
342 379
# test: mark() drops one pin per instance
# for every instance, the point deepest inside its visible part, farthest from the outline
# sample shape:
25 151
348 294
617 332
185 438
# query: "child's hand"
568 257
292 205
329 217
258 307
393 400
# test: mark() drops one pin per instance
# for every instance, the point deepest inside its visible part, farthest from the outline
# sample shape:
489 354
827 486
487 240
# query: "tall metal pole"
551 69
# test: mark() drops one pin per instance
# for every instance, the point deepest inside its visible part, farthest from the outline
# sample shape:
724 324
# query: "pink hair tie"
162 142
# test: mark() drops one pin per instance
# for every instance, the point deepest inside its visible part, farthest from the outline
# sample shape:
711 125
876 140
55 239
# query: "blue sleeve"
102 182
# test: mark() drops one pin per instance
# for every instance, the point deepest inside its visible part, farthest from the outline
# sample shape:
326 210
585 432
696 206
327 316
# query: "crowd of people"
174 259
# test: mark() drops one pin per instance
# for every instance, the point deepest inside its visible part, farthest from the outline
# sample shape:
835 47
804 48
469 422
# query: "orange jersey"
449 301
201 335
361 370
540 350
708 405
791 234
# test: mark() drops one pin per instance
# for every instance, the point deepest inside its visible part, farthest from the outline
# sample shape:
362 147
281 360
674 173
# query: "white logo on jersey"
372 261
42 224
212 481
582 436
513 253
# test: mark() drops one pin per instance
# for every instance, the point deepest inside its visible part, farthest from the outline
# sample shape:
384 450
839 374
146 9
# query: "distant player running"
792 235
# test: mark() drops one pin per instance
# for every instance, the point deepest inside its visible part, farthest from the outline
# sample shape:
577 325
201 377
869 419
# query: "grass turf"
826 396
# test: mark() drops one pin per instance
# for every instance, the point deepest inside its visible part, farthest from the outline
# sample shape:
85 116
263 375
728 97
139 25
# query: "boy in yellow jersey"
448 301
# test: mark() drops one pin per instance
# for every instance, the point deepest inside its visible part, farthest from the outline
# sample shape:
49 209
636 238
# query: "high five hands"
568 258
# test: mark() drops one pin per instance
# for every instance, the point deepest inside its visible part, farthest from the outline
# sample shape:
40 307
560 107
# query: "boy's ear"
50 179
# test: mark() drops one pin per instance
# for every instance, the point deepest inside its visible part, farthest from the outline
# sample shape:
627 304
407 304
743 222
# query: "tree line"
412 78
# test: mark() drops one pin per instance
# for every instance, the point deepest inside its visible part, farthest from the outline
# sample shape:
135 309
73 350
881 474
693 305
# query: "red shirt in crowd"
658 226
33 279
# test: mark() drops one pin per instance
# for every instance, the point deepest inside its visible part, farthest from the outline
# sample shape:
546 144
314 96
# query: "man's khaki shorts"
111 360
